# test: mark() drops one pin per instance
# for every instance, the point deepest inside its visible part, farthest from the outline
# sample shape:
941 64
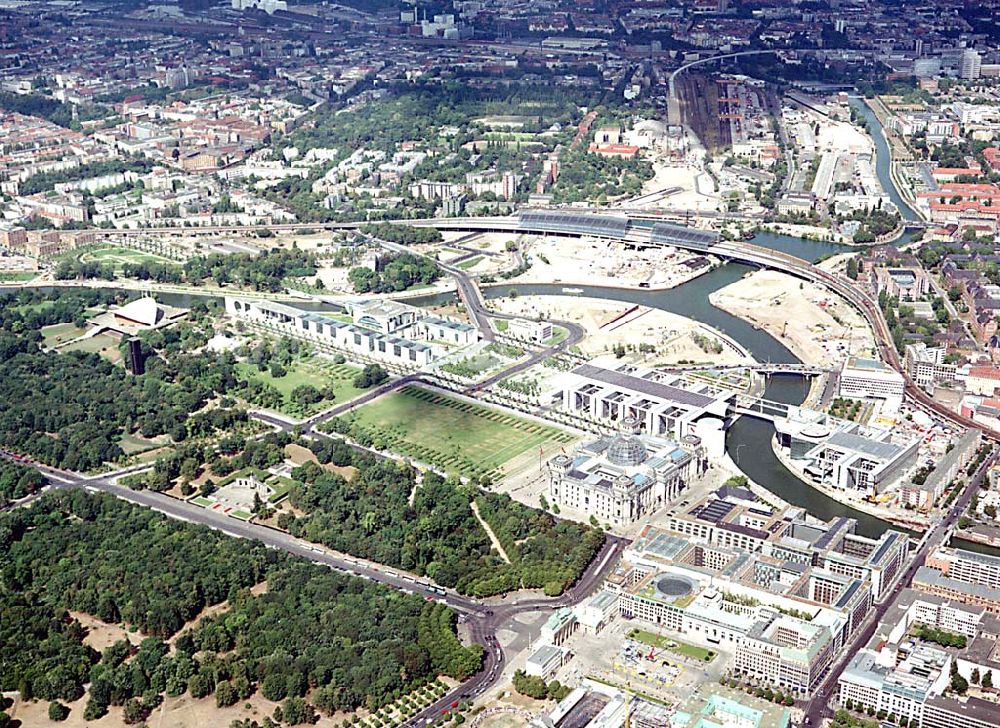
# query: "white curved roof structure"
144 311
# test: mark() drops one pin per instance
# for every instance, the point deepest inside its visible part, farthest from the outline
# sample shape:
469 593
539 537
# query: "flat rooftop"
644 386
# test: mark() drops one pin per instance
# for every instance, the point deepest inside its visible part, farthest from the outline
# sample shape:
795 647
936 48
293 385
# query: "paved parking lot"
667 676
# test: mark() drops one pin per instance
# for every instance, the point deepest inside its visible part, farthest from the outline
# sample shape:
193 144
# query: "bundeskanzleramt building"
329 333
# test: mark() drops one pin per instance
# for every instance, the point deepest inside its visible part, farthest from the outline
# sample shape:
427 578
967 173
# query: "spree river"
748 441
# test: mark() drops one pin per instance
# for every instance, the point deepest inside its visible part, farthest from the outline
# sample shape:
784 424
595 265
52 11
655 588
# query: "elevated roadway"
639 231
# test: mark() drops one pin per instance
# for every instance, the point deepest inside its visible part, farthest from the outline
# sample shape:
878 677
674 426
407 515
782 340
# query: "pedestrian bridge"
762 409
764 368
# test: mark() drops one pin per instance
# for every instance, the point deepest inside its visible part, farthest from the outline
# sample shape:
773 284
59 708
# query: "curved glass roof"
668 233
569 221
626 451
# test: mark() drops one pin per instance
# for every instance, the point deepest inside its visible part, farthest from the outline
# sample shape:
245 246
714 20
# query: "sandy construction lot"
609 323
697 191
818 327
842 136
594 262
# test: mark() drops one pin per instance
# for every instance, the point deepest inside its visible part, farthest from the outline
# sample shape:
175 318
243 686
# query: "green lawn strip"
559 335
94 345
132 444
60 333
674 645
470 263
120 256
281 486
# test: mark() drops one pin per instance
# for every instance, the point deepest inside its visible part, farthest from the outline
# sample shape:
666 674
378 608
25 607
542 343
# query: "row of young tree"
339 642
430 529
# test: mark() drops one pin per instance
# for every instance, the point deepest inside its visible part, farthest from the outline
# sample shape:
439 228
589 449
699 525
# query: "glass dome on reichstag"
626 449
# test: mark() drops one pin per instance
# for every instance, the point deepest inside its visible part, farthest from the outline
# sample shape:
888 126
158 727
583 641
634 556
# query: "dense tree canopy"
48 108
17 481
435 532
394 273
72 408
339 641
402 234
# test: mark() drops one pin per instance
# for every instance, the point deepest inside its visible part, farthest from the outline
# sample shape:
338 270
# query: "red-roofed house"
992 155
947 174
624 151
982 380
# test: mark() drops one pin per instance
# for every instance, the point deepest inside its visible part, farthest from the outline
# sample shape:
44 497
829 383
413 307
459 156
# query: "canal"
883 160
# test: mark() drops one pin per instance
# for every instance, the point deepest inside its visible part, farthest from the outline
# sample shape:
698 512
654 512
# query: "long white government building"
379 330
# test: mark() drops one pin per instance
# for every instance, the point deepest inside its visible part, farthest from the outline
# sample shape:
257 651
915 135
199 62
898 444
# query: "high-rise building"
971 64
136 361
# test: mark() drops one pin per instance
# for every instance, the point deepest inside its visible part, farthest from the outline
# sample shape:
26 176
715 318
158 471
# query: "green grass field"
450 433
118 256
312 370
133 444
675 646
470 263
16 276
60 333
103 344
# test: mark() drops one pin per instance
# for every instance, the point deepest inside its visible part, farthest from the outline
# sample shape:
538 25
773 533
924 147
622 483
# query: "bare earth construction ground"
818 327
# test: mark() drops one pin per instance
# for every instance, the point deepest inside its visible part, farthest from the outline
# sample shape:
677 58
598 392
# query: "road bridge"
762 368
